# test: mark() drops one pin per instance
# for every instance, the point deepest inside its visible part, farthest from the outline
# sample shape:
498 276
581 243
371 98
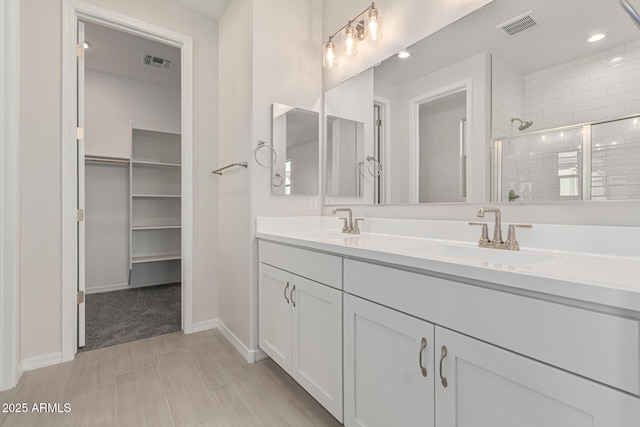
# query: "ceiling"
120 53
560 37
211 8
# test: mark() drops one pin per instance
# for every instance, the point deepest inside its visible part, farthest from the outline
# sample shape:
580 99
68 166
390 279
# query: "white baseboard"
120 287
41 361
204 326
20 371
251 355
105 288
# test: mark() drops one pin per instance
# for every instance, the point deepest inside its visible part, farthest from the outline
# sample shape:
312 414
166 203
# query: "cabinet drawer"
600 346
323 268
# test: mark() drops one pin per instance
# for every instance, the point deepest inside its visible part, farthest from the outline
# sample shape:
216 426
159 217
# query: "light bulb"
373 25
329 57
349 42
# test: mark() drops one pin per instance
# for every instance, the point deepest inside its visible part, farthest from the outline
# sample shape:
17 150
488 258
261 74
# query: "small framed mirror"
296 142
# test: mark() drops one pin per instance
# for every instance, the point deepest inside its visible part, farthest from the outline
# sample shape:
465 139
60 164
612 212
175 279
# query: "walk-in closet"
132 187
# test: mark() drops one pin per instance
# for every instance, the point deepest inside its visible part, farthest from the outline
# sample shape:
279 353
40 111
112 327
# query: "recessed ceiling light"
596 37
403 54
87 45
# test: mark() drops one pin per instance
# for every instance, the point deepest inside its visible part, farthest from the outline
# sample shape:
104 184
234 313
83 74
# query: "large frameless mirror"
514 102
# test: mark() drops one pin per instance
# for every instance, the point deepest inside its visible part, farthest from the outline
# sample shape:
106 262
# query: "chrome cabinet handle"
443 354
422 347
285 292
292 291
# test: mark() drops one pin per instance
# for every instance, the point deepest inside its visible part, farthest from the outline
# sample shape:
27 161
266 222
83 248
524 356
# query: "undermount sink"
480 255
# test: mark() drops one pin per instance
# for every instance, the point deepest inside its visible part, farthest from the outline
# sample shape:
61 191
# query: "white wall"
112 101
268 53
234 208
41 285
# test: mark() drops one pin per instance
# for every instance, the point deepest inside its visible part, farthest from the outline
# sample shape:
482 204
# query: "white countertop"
610 278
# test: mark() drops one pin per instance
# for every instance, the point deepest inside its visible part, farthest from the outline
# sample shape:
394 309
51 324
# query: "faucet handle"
345 227
356 229
511 243
484 238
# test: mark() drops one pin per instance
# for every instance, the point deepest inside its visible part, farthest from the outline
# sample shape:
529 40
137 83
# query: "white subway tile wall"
542 167
601 86
615 161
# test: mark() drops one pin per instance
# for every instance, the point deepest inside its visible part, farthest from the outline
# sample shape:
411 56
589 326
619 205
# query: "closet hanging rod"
105 159
219 170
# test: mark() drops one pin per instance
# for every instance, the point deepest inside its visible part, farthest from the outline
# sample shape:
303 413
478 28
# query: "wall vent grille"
519 24
156 62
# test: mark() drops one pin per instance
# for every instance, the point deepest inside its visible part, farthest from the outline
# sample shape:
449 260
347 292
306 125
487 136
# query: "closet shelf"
138 259
157 196
154 163
155 227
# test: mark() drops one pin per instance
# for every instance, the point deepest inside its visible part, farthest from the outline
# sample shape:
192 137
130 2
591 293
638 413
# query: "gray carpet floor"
132 314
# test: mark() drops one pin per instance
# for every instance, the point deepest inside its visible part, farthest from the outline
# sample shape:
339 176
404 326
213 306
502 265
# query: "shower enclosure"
592 161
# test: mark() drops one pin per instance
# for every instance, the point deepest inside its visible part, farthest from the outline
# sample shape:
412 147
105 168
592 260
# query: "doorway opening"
127 180
131 184
439 145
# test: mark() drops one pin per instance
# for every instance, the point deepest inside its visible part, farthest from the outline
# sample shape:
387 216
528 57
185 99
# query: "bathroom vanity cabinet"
301 319
423 348
493 358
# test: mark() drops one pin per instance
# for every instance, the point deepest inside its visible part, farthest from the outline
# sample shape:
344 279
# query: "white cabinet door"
275 314
491 387
317 342
384 356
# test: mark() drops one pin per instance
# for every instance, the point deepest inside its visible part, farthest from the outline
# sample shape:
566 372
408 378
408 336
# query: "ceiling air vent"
156 62
519 24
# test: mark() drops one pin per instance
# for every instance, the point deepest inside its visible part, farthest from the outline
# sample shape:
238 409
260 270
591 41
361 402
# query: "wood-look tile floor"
168 380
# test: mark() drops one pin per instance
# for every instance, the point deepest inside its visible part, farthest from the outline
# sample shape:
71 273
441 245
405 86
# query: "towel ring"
274 155
277 180
377 166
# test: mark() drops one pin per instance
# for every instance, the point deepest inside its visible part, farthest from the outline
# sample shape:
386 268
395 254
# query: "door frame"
385 156
414 131
72 11
10 366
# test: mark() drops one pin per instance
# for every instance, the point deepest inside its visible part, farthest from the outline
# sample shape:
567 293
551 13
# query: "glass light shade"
373 25
349 41
329 55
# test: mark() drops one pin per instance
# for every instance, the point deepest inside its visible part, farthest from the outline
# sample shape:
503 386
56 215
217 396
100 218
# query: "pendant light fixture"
329 55
366 25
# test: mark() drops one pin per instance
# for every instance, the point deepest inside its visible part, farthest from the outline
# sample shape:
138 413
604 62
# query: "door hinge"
79 134
379 123
79 50
80 215
79 297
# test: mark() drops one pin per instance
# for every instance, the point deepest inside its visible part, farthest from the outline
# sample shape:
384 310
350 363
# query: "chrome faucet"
350 226
497 243
497 227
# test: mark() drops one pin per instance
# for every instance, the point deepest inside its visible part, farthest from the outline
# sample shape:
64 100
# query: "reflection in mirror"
296 141
441 147
345 157
522 82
